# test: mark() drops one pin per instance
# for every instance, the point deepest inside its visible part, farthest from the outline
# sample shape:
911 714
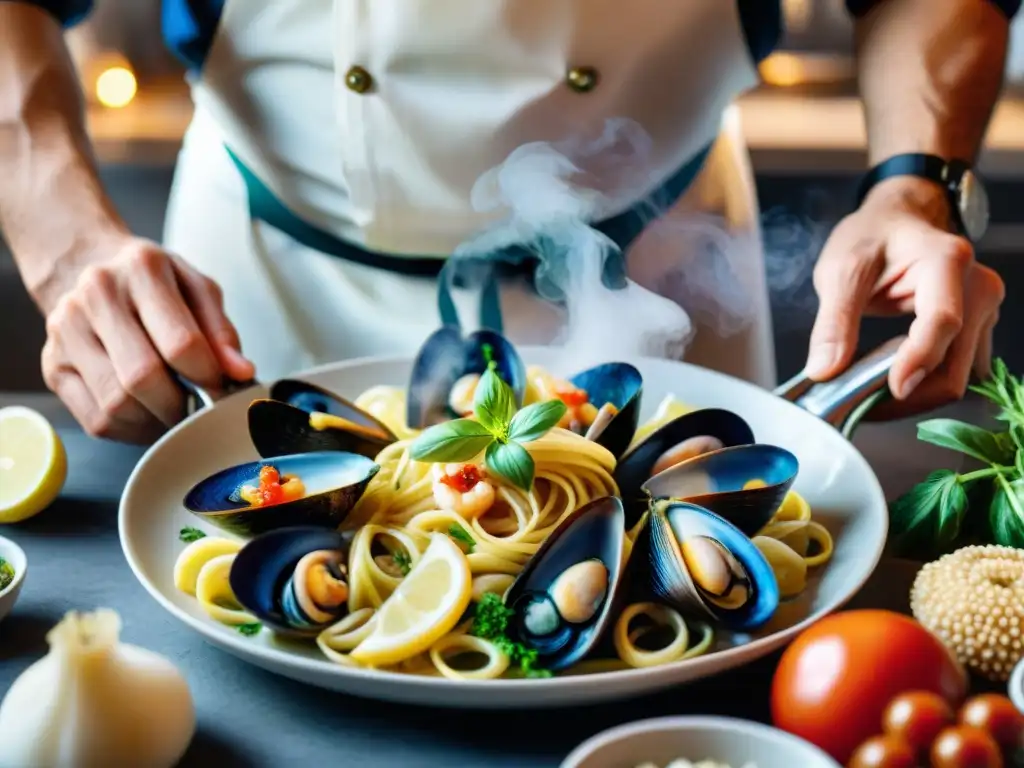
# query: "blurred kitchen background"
804 130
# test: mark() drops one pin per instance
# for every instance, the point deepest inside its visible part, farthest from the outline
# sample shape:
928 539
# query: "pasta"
499 528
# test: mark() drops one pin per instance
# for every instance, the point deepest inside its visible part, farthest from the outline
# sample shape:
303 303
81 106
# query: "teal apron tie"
521 261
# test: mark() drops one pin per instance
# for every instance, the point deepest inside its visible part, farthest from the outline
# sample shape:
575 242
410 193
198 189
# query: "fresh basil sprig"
935 516
498 431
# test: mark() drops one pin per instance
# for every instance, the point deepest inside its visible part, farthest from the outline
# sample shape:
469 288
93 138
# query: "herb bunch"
491 623
932 518
6 574
497 430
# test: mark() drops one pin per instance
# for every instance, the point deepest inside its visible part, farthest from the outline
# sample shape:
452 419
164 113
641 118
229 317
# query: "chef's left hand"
896 255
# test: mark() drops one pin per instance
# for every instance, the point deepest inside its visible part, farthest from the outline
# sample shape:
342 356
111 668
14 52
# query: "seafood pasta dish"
493 520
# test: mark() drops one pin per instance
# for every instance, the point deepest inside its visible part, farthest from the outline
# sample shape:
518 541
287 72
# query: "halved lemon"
668 409
427 604
33 463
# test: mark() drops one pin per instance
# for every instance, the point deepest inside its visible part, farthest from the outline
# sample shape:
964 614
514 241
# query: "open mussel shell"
621 386
442 362
300 417
333 482
564 598
702 565
294 580
675 442
744 484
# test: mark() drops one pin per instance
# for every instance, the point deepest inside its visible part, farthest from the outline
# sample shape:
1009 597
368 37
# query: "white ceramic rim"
15 555
640 680
737 726
1015 686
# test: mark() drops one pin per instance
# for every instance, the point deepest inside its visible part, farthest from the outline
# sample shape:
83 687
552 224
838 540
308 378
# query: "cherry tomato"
997 716
884 752
917 717
836 679
964 746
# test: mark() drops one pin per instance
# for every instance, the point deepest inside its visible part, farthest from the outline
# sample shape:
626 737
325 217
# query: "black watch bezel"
968 200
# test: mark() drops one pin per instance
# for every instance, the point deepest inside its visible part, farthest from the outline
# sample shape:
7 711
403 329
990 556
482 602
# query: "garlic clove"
95 701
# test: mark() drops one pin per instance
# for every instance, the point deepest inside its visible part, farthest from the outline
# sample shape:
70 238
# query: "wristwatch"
968 200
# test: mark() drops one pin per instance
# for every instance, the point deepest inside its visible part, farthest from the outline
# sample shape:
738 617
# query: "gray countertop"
251 717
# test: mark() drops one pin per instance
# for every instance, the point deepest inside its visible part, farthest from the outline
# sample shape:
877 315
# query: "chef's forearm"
930 72
53 209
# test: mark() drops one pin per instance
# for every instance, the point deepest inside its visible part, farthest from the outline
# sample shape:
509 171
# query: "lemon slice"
668 409
426 605
33 464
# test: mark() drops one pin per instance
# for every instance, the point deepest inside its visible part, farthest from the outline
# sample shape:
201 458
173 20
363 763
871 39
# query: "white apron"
372 121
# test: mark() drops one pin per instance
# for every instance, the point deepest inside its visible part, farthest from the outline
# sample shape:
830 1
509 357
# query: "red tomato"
997 716
884 752
964 746
917 717
836 679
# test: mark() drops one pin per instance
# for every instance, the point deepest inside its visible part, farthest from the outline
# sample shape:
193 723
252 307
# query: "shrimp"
462 489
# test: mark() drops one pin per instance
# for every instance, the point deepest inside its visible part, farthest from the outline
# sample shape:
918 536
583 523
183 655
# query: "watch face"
972 201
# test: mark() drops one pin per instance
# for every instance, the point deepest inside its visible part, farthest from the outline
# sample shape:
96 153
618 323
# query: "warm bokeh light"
783 69
116 87
797 14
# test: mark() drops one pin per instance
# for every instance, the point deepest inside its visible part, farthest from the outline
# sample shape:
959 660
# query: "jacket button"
358 79
582 79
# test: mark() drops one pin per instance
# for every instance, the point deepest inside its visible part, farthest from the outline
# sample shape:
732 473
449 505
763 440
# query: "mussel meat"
448 368
677 441
744 484
315 489
293 579
701 564
563 599
603 403
300 417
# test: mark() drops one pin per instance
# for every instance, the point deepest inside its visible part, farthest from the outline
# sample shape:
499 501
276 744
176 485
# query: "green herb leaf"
458 440
965 438
535 420
1006 513
403 561
494 403
511 461
6 574
188 535
490 622
461 535
927 519
1018 460
249 629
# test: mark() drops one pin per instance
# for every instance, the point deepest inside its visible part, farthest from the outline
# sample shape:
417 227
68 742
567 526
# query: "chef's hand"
113 338
896 256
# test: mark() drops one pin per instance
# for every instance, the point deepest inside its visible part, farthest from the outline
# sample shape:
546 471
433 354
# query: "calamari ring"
497 662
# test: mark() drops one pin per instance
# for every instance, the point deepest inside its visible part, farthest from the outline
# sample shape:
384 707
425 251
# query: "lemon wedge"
427 604
668 409
33 464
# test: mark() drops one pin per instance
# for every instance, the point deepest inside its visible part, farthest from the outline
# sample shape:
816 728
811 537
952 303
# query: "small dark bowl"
337 481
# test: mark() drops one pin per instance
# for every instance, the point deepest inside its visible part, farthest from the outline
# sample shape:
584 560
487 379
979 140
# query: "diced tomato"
574 398
269 491
464 480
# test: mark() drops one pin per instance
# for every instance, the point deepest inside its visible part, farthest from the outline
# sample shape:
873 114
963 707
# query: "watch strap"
947 173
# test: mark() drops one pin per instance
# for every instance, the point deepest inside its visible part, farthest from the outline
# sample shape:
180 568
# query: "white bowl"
14 555
735 743
1015 686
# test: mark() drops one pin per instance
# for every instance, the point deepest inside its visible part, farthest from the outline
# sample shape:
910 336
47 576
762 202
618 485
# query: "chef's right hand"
113 339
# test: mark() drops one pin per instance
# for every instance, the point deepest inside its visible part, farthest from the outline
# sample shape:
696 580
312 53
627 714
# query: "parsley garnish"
188 535
6 574
403 561
932 518
249 629
491 623
461 535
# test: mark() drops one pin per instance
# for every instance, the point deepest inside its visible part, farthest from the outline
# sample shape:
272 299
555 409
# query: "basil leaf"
535 420
1006 513
511 461
965 438
458 440
926 520
1018 461
494 403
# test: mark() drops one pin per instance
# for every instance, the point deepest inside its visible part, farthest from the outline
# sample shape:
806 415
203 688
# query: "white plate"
735 743
842 489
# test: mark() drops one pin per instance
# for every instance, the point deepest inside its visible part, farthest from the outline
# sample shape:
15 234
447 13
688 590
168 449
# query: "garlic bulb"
93 701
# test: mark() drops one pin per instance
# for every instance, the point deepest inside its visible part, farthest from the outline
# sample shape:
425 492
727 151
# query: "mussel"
744 484
300 417
316 489
563 600
294 580
448 368
603 402
703 565
677 441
